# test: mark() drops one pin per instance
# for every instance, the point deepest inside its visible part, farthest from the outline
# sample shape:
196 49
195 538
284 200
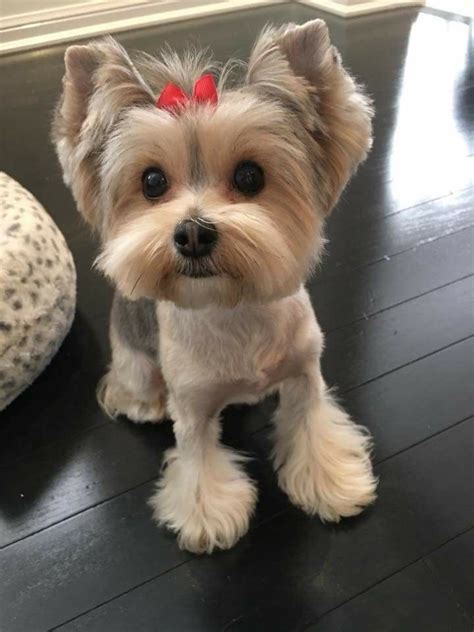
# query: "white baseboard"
43 28
359 7
117 17
9 19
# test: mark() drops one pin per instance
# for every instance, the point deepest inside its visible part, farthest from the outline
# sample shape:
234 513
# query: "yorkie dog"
209 200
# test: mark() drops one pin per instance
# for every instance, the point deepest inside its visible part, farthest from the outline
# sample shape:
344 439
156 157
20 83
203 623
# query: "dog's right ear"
100 81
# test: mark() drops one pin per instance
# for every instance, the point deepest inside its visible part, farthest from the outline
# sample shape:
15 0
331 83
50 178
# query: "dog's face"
211 203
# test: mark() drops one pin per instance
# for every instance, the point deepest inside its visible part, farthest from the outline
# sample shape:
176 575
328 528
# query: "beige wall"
9 8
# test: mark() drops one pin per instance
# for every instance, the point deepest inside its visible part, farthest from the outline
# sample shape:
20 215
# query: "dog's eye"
248 178
154 183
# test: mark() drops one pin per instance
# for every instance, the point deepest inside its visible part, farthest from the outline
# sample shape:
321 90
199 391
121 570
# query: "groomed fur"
322 458
255 258
235 324
296 104
298 66
211 511
99 83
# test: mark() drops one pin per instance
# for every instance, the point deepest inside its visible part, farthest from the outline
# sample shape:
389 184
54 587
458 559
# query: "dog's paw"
115 400
209 509
327 470
335 492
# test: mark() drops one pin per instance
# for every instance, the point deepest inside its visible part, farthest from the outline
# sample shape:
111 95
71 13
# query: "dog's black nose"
195 239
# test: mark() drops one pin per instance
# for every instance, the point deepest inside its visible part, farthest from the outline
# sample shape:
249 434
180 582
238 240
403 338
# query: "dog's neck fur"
218 320
232 343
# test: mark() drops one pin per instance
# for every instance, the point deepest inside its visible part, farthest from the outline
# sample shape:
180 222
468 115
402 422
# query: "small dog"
210 204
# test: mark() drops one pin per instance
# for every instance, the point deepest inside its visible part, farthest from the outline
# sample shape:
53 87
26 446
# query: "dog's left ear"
298 67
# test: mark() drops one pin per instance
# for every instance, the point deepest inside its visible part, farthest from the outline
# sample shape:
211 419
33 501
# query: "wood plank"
420 400
360 293
357 243
288 572
370 348
411 600
78 473
367 196
391 406
453 565
82 562
409 46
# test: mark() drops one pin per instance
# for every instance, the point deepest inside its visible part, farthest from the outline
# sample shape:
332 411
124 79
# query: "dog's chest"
245 351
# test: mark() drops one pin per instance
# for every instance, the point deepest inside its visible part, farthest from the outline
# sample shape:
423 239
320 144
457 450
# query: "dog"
210 202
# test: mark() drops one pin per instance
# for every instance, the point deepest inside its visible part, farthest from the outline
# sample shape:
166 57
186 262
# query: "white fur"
204 494
321 456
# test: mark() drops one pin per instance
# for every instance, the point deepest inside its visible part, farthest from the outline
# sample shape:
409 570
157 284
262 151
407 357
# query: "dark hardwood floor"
79 550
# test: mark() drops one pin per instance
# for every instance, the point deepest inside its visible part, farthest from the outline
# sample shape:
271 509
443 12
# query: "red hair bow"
173 97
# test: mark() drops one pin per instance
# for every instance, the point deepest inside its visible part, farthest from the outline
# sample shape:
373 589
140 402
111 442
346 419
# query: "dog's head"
218 199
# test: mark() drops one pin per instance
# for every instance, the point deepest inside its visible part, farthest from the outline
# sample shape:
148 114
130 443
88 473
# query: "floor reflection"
429 144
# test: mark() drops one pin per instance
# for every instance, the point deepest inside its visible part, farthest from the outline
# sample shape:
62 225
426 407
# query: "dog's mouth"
196 269
204 274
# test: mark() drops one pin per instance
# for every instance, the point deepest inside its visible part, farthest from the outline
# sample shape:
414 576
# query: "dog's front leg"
321 456
204 494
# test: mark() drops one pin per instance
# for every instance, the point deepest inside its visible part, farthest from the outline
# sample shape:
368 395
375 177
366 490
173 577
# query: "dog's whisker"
136 283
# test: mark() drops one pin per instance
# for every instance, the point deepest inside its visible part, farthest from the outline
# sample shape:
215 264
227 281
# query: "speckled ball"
37 289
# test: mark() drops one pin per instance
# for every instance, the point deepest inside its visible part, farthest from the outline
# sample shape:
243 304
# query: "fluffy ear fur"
297 66
99 83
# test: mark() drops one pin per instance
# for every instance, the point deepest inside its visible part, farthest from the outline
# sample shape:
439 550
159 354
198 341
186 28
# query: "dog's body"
241 355
208 257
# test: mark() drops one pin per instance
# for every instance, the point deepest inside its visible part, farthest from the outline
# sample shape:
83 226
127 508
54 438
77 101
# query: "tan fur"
298 65
247 328
99 83
266 245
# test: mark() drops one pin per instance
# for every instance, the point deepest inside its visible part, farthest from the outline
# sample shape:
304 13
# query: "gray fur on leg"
134 385
136 323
